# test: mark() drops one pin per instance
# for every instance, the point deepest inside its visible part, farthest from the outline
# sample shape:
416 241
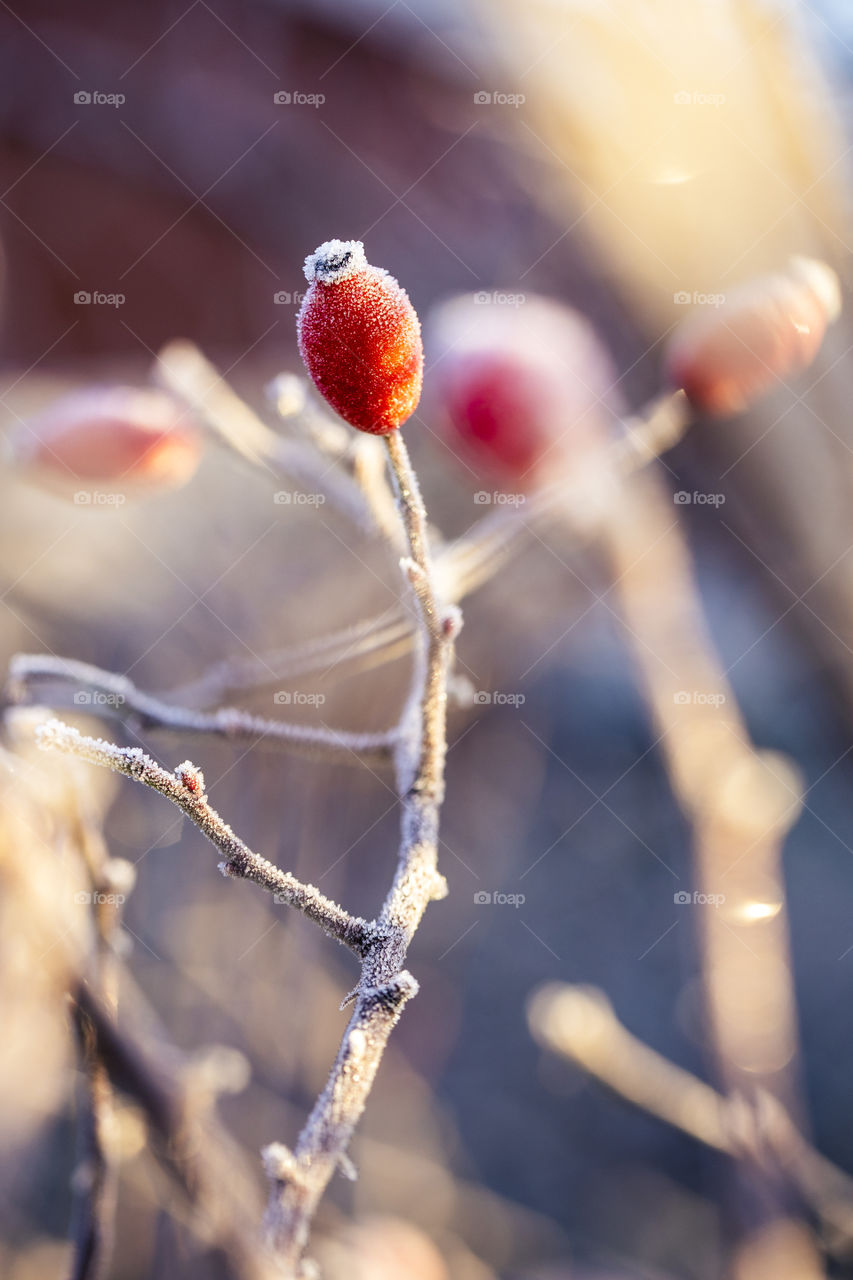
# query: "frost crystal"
334 261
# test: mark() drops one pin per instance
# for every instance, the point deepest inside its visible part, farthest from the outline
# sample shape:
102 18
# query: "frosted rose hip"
139 437
767 330
360 338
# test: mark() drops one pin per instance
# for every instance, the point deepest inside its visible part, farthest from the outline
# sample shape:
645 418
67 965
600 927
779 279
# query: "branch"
183 370
386 632
185 788
93 1215
96 1184
299 1178
102 691
463 566
580 1024
195 1152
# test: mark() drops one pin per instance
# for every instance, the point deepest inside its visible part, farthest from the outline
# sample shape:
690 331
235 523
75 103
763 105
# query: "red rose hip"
360 338
138 437
524 391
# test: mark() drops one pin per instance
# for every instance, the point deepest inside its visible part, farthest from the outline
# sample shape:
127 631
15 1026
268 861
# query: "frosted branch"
187 374
580 1024
299 1179
185 788
105 693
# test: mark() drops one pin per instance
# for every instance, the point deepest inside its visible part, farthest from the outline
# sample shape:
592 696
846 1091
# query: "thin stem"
187 374
106 693
93 1214
185 788
325 654
580 1024
198 1155
299 1179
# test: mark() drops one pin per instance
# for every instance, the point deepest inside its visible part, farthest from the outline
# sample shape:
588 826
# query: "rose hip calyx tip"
334 261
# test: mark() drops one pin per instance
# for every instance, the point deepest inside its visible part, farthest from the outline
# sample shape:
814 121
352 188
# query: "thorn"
348 998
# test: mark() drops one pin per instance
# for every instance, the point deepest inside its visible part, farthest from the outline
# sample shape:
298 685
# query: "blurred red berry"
119 435
360 338
766 331
521 388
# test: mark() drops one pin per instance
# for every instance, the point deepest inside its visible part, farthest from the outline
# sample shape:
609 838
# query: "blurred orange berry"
140 438
764 332
521 384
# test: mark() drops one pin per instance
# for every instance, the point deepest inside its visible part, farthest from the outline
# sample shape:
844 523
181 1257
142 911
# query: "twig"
117 696
96 1177
183 370
463 566
580 1024
741 803
92 1222
300 1178
185 788
236 674
195 1152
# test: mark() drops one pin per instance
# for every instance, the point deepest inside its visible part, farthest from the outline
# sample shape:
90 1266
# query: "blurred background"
164 171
